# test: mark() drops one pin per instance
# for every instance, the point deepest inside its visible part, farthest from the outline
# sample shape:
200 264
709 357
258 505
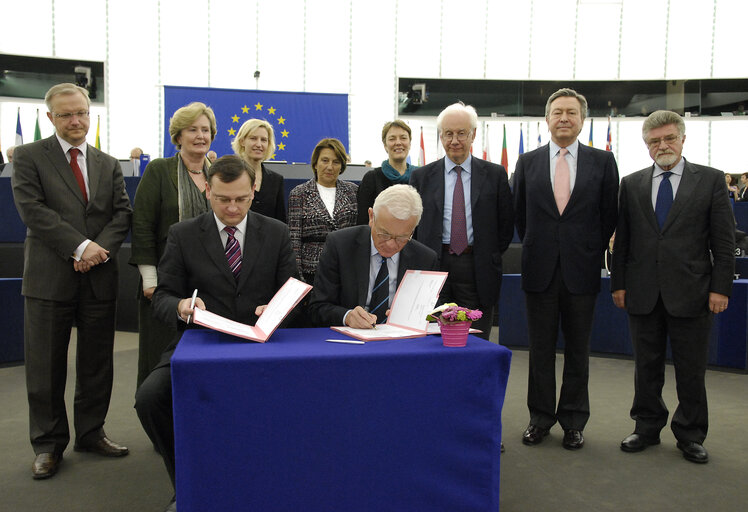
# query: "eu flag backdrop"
299 119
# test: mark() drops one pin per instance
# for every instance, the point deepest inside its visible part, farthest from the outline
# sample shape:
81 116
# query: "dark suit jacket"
58 219
270 199
690 257
195 258
579 237
493 218
342 280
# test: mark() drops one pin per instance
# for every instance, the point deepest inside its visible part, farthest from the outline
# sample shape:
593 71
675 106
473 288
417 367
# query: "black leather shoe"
104 447
502 447
573 439
637 442
45 465
693 452
534 434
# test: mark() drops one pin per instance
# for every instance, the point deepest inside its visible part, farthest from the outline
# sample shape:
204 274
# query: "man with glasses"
565 199
236 259
672 272
72 199
468 218
361 266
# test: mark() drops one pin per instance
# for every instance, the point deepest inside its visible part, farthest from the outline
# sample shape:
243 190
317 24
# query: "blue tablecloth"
301 424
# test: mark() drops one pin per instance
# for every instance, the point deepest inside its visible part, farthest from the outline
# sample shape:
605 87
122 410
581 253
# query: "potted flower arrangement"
454 322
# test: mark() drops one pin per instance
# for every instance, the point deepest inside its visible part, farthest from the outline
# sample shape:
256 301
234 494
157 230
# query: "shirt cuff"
149 275
78 253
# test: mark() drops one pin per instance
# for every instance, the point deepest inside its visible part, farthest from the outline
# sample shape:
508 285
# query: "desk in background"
728 340
301 424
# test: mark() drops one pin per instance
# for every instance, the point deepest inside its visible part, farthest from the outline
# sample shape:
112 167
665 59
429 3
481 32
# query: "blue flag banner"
299 119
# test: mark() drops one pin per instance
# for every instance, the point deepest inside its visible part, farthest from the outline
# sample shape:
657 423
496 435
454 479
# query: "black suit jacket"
195 258
578 238
493 218
691 256
58 219
342 279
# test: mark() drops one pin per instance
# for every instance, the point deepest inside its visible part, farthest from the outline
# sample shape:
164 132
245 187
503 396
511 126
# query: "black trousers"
47 328
689 343
574 313
460 288
153 402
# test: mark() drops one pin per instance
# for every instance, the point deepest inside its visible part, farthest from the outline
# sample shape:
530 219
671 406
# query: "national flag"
486 148
591 123
422 152
300 120
539 134
521 141
608 143
37 131
98 126
19 133
504 156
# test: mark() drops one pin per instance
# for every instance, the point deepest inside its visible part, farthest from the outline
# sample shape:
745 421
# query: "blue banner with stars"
300 120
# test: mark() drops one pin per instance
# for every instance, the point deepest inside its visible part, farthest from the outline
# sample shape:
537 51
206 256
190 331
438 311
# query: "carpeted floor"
600 477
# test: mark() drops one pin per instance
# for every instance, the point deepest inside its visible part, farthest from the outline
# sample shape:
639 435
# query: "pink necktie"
77 171
561 182
233 252
458 241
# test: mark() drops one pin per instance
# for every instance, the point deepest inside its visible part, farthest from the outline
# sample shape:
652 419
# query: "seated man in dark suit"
235 258
356 259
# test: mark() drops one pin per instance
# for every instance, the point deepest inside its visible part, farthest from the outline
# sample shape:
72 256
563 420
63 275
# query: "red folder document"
279 307
415 298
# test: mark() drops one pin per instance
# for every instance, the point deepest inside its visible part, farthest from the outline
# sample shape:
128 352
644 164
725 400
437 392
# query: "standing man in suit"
565 199
672 271
235 258
744 183
72 198
469 234
358 261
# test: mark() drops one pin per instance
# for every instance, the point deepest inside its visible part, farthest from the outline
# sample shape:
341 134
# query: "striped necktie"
233 252
380 294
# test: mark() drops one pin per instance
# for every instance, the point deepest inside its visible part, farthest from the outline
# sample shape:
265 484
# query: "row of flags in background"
38 132
504 155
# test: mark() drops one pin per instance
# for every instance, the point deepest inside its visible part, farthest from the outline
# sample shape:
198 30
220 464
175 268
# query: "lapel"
211 242
643 191
94 169
316 204
542 175
477 180
437 198
57 158
254 239
362 258
583 176
688 185
173 170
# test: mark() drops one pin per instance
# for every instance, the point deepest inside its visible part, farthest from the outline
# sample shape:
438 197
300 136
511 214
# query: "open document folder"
279 307
415 298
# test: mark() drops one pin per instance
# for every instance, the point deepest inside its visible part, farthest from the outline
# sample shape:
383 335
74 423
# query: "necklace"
195 172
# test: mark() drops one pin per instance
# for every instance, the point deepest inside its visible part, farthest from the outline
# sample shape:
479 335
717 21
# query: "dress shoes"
103 446
502 447
45 465
534 434
694 452
573 439
638 442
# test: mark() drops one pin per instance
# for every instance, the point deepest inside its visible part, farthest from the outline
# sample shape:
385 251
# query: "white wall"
360 48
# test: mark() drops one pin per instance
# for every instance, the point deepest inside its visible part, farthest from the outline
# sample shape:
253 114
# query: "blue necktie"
664 199
380 294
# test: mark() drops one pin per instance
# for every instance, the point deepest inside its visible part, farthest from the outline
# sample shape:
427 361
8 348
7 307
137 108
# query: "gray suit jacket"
342 279
493 218
691 256
58 219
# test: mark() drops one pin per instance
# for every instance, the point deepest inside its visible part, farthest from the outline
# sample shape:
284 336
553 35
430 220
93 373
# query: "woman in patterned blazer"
320 206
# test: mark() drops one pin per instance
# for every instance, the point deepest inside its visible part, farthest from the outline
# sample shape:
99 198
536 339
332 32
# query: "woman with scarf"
396 137
171 190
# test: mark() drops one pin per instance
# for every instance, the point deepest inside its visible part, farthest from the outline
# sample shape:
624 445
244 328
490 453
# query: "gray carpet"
600 477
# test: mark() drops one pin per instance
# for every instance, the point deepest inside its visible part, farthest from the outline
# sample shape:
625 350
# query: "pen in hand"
192 305
374 323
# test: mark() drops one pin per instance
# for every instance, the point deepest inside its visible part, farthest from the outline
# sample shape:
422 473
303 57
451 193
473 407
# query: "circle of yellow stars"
258 107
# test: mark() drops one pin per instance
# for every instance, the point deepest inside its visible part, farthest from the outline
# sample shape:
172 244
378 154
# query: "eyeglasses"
462 135
225 201
669 140
386 237
69 115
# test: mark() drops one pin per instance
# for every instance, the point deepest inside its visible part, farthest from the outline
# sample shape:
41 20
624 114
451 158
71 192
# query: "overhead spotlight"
418 94
83 76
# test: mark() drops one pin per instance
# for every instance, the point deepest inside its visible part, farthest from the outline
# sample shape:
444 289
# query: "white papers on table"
415 298
277 309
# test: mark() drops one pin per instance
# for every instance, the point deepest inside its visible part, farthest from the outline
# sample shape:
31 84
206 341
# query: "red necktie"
77 172
458 241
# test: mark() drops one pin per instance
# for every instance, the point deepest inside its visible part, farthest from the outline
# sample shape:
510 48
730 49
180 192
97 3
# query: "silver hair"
458 107
64 88
660 118
402 201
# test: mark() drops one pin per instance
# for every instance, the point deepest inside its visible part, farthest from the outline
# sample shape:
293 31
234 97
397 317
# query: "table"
301 424
728 340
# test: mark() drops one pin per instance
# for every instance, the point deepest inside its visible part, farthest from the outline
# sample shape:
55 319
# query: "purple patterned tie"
233 252
458 241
